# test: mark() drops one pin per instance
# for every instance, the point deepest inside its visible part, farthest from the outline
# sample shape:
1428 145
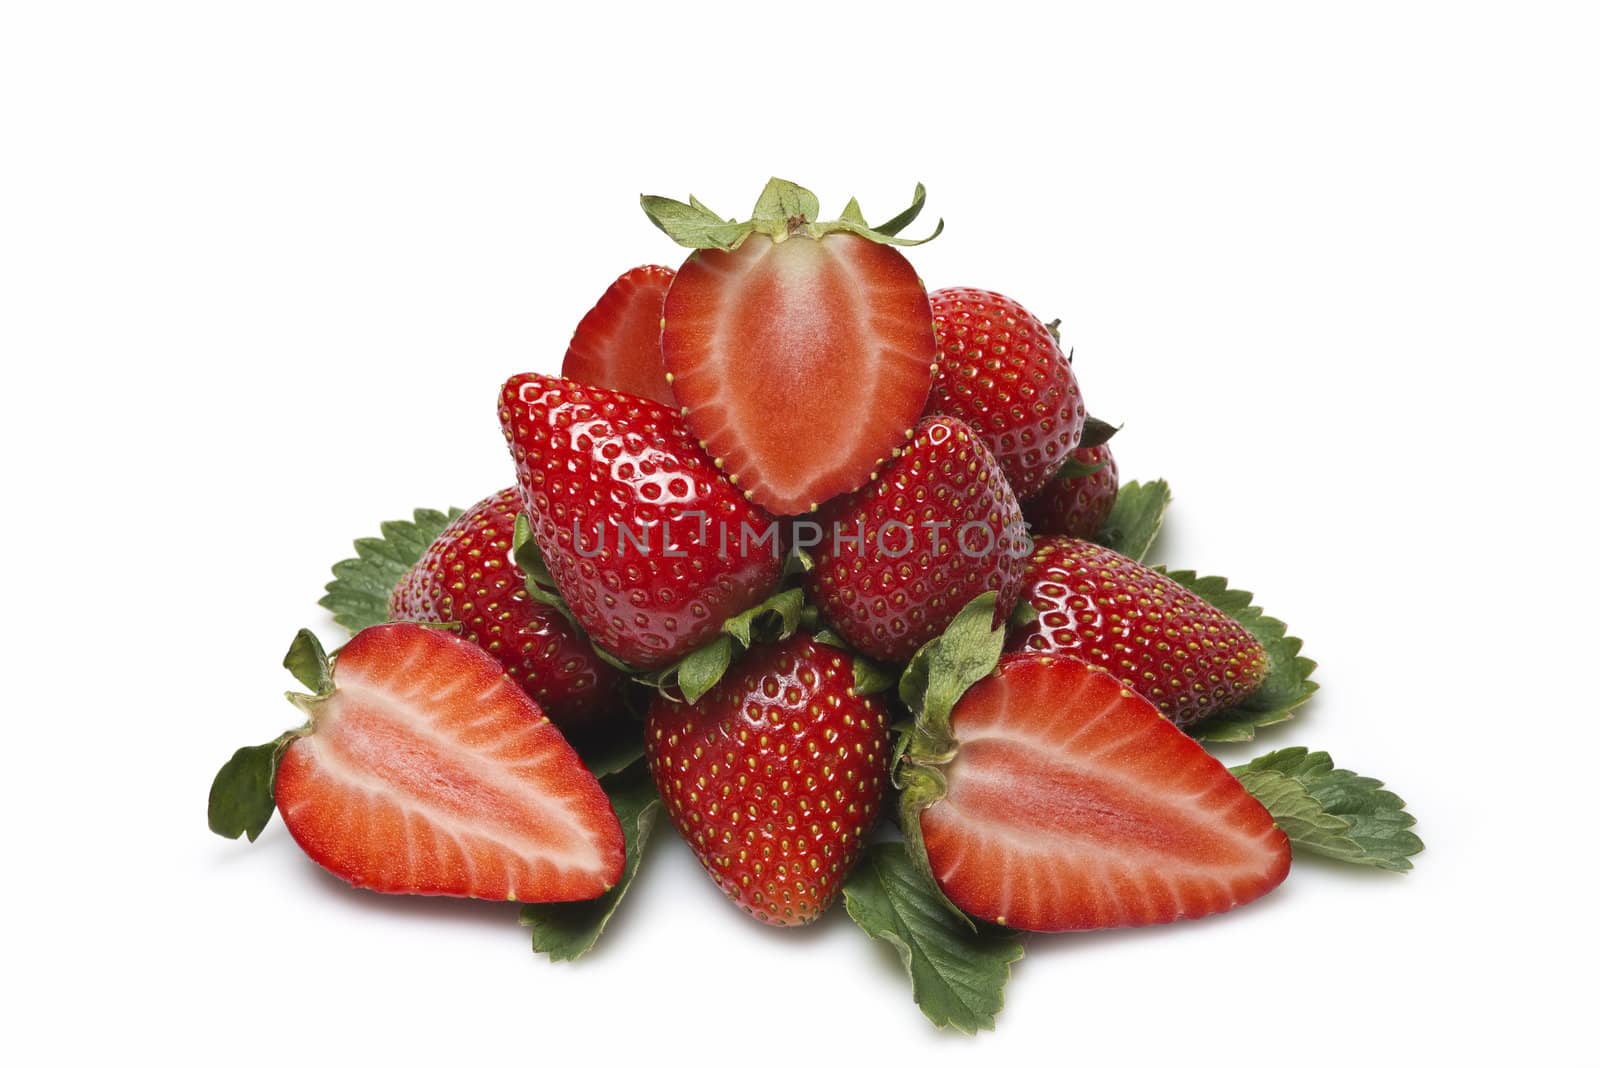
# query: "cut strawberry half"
801 352
426 770
618 344
1070 804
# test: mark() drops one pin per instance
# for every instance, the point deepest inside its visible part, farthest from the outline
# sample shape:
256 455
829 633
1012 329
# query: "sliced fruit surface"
801 362
467 577
1072 804
1185 655
1002 372
895 561
618 343
651 548
427 770
775 777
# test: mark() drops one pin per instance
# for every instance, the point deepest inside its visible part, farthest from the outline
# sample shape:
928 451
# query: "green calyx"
783 210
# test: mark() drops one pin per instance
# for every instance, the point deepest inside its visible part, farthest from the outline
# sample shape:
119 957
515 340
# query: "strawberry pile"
778 622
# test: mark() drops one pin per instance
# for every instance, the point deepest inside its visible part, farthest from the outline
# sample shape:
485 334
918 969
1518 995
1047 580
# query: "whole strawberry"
1171 647
1077 500
467 577
1001 371
896 560
775 777
649 545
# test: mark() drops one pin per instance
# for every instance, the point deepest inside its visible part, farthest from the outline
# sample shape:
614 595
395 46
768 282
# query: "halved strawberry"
618 344
801 352
1071 804
426 770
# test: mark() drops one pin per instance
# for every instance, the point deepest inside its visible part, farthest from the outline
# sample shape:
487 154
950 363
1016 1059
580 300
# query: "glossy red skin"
887 605
618 343
598 462
429 771
775 777
1072 805
1076 507
799 364
1170 646
467 577
1003 374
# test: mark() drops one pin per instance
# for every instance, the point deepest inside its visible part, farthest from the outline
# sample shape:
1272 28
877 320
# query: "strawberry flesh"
618 343
429 771
1073 805
800 363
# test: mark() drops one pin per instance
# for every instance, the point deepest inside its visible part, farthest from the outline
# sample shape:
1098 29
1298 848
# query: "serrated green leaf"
782 201
1332 812
1135 519
241 800
308 663
568 930
358 596
693 225
946 667
958 974
1288 684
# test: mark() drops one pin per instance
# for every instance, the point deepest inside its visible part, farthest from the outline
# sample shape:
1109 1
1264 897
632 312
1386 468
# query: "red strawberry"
467 577
1178 651
897 560
427 771
1072 503
648 544
1002 372
618 344
800 351
775 776
1071 805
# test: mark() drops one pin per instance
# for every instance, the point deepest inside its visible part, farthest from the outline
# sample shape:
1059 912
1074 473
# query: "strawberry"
618 344
1001 370
649 545
800 351
467 577
895 562
1071 804
775 776
1181 653
426 770
1077 500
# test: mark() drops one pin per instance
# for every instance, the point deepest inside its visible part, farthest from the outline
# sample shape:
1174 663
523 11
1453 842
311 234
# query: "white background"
263 268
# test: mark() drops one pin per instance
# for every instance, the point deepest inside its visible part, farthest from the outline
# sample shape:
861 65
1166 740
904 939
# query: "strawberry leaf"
358 596
945 668
774 619
241 800
872 676
893 227
782 201
1096 432
693 225
958 974
702 669
1135 519
1332 812
308 663
568 930
1288 683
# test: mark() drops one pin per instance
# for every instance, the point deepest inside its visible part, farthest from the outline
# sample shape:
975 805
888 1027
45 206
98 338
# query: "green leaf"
852 213
358 596
782 201
1332 812
772 620
241 800
1288 683
944 668
1076 469
893 227
702 669
613 755
958 974
1096 432
1135 519
309 664
568 930
871 676
693 225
